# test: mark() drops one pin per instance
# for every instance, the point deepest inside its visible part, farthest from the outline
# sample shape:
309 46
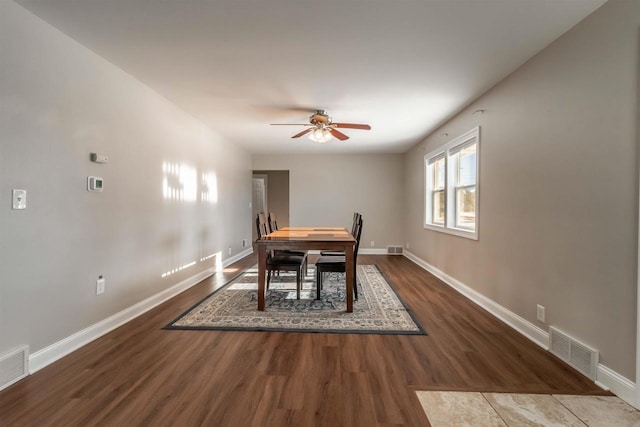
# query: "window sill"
472 235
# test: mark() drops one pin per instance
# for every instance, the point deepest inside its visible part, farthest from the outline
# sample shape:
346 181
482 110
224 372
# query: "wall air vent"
580 356
14 366
394 250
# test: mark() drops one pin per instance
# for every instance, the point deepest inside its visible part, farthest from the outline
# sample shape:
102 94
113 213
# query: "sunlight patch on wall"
209 191
208 256
179 182
182 182
218 257
175 270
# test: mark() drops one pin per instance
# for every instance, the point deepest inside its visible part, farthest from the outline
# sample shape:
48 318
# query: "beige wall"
59 103
559 188
327 189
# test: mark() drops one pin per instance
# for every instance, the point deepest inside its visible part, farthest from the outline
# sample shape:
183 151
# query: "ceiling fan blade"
291 124
298 135
341 136
351 126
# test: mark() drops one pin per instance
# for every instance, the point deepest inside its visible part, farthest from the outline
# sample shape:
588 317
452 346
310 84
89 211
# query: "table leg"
262 268
350 277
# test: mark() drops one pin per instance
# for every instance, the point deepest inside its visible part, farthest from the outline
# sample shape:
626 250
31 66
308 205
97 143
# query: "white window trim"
466 138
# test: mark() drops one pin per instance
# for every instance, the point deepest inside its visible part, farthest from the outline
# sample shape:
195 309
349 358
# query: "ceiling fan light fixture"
320 135
322 128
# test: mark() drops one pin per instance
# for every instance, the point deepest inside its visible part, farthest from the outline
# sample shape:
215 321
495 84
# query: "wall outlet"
373 243
540 314
229 250
100 285
407 245
244 243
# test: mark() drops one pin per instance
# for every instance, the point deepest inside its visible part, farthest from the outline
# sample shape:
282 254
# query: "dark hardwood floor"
141 374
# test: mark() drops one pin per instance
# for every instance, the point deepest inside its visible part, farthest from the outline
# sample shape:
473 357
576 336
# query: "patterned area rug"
378 309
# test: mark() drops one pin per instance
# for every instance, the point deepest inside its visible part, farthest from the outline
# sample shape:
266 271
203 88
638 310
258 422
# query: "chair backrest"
273 221
357 235
262 225
356 219
263 228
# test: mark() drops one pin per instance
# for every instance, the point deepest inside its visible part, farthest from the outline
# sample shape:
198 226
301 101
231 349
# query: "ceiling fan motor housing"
320 117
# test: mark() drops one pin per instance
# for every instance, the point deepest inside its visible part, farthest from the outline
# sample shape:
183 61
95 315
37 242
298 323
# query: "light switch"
19 199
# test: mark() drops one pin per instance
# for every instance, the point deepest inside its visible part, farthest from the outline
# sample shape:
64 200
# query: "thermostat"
94 183
99 158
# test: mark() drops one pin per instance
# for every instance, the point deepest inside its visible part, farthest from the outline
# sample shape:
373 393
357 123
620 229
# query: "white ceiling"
402 66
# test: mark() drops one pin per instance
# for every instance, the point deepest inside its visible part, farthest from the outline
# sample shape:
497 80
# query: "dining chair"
334 263
356 218
272 222
262 224
280 261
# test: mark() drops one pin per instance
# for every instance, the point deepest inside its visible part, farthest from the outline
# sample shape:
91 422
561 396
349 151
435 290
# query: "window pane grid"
466 207
439 174
438 213
451 186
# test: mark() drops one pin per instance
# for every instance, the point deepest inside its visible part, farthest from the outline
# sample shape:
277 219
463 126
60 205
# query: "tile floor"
444 408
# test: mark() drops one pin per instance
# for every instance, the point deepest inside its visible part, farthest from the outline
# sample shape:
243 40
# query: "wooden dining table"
307 238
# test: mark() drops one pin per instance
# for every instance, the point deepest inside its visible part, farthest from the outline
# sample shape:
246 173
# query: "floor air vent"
14 366
394 250
576 354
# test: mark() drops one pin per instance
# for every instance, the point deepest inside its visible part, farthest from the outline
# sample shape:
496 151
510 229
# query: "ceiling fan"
322 128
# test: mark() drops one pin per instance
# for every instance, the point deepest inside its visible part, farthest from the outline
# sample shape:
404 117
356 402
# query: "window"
437 191
451 186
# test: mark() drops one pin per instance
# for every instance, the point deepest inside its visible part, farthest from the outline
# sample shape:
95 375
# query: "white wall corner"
606 378
59 349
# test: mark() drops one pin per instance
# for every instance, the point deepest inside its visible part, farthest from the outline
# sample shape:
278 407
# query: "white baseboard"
617 384
57 350
237 257
521 325
372 251
606 378
361 251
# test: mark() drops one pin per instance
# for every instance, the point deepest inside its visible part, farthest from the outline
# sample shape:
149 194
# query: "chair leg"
298 282
269 277
318 282
355 285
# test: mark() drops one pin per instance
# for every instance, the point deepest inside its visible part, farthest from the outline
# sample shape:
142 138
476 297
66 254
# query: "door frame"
265 180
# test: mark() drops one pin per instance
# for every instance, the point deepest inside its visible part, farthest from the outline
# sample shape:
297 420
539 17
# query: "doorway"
259 199
270 194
